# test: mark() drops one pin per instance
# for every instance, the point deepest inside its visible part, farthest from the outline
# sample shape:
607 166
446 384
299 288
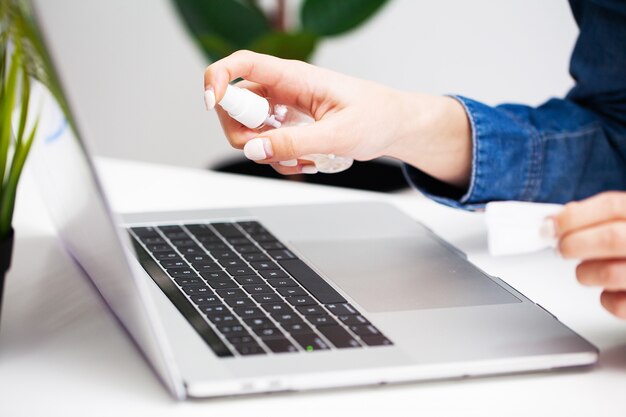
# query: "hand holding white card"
515 227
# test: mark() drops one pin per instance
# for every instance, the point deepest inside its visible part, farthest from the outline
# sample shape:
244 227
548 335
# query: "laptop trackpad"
394 274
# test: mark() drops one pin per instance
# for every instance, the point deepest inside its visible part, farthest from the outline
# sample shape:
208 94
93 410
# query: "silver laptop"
288 298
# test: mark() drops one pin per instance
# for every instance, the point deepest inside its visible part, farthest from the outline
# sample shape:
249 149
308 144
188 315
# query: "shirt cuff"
506 160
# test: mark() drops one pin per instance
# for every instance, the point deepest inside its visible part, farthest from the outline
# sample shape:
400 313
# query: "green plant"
223 26
16 67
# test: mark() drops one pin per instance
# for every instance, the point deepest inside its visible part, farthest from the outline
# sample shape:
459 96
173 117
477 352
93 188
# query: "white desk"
62 353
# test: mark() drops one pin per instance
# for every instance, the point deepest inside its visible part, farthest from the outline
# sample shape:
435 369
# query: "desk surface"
62 353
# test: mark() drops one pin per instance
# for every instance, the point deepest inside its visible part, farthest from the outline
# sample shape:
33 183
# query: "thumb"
288 143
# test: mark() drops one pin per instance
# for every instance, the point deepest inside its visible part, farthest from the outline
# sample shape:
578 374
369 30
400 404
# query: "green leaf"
24 107
333 17
238 23
7 201
8 103
216 47
286 45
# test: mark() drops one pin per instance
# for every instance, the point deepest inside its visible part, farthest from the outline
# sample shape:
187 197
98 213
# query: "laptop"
286 298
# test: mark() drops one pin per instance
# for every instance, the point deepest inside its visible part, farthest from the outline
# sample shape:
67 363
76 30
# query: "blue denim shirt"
566 149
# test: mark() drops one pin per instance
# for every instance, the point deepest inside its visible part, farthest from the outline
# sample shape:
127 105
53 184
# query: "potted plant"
17 131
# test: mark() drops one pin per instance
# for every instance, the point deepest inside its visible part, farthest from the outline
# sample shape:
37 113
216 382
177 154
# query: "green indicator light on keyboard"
309 348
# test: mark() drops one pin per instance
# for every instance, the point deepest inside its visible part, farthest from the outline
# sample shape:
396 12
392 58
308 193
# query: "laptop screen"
74 197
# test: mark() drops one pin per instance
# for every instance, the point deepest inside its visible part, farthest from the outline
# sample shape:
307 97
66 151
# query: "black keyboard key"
272 245
170 229
219 284
277 307
262 237
310 342
297 328
251 257
206 266
304 300
364 330
214 309
209 239
144 232
280 345
249 312
182 272
240 270
191 250
269 333
173 263
259 323
206 299
281 254
338 336
239 241
223 319
249 349
233 330
160 256
199 257
248 279
183 243
263 265
376 340
200 229
258 289
240 302
311 310
282 282
231 293
189 281
209 276
247 249
322 320
240 340
353 319
214 247
273 274
196 289
311 281
153 241
267 298
227 229
159 248
341 309
250 225
177 235
232 263
291 291
224 254
286 318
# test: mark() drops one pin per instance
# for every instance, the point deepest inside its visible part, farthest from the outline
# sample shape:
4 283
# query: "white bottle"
255 112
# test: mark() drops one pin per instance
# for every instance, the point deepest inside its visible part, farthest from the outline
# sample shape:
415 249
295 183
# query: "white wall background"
134 78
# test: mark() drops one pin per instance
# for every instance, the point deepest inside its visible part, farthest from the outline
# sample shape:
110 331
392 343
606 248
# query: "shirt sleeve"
557 152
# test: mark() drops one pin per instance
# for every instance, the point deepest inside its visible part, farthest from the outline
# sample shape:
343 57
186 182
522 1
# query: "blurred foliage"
222 27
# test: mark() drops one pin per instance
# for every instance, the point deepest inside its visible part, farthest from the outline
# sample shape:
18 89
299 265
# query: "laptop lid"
69 185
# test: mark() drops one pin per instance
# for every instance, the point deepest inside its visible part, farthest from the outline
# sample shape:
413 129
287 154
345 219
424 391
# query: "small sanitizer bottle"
256 112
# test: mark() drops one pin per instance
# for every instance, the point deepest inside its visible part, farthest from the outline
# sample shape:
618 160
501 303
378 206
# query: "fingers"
289 143
614 302
263 69
301 168
595 210
604 241
611 274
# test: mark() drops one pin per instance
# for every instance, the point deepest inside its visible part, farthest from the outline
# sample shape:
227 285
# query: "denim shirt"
567 148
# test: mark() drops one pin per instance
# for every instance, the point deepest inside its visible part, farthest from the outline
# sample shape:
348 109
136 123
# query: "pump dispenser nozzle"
254 112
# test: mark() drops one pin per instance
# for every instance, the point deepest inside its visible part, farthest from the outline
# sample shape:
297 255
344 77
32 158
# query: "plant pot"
6 252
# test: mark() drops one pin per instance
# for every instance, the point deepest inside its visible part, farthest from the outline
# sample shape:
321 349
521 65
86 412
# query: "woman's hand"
594 231
353 118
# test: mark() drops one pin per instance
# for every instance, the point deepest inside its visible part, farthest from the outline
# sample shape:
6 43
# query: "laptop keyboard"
246 293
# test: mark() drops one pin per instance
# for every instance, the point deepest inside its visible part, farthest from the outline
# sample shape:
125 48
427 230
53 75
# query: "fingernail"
548 228
258 149
209 98
309 169
289 163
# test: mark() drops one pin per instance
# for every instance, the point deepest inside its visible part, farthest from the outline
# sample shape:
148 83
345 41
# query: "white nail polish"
309 169
548 229
255 149
209 98
289 163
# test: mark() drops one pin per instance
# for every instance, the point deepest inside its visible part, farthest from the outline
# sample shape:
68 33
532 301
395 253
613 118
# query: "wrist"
435 136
